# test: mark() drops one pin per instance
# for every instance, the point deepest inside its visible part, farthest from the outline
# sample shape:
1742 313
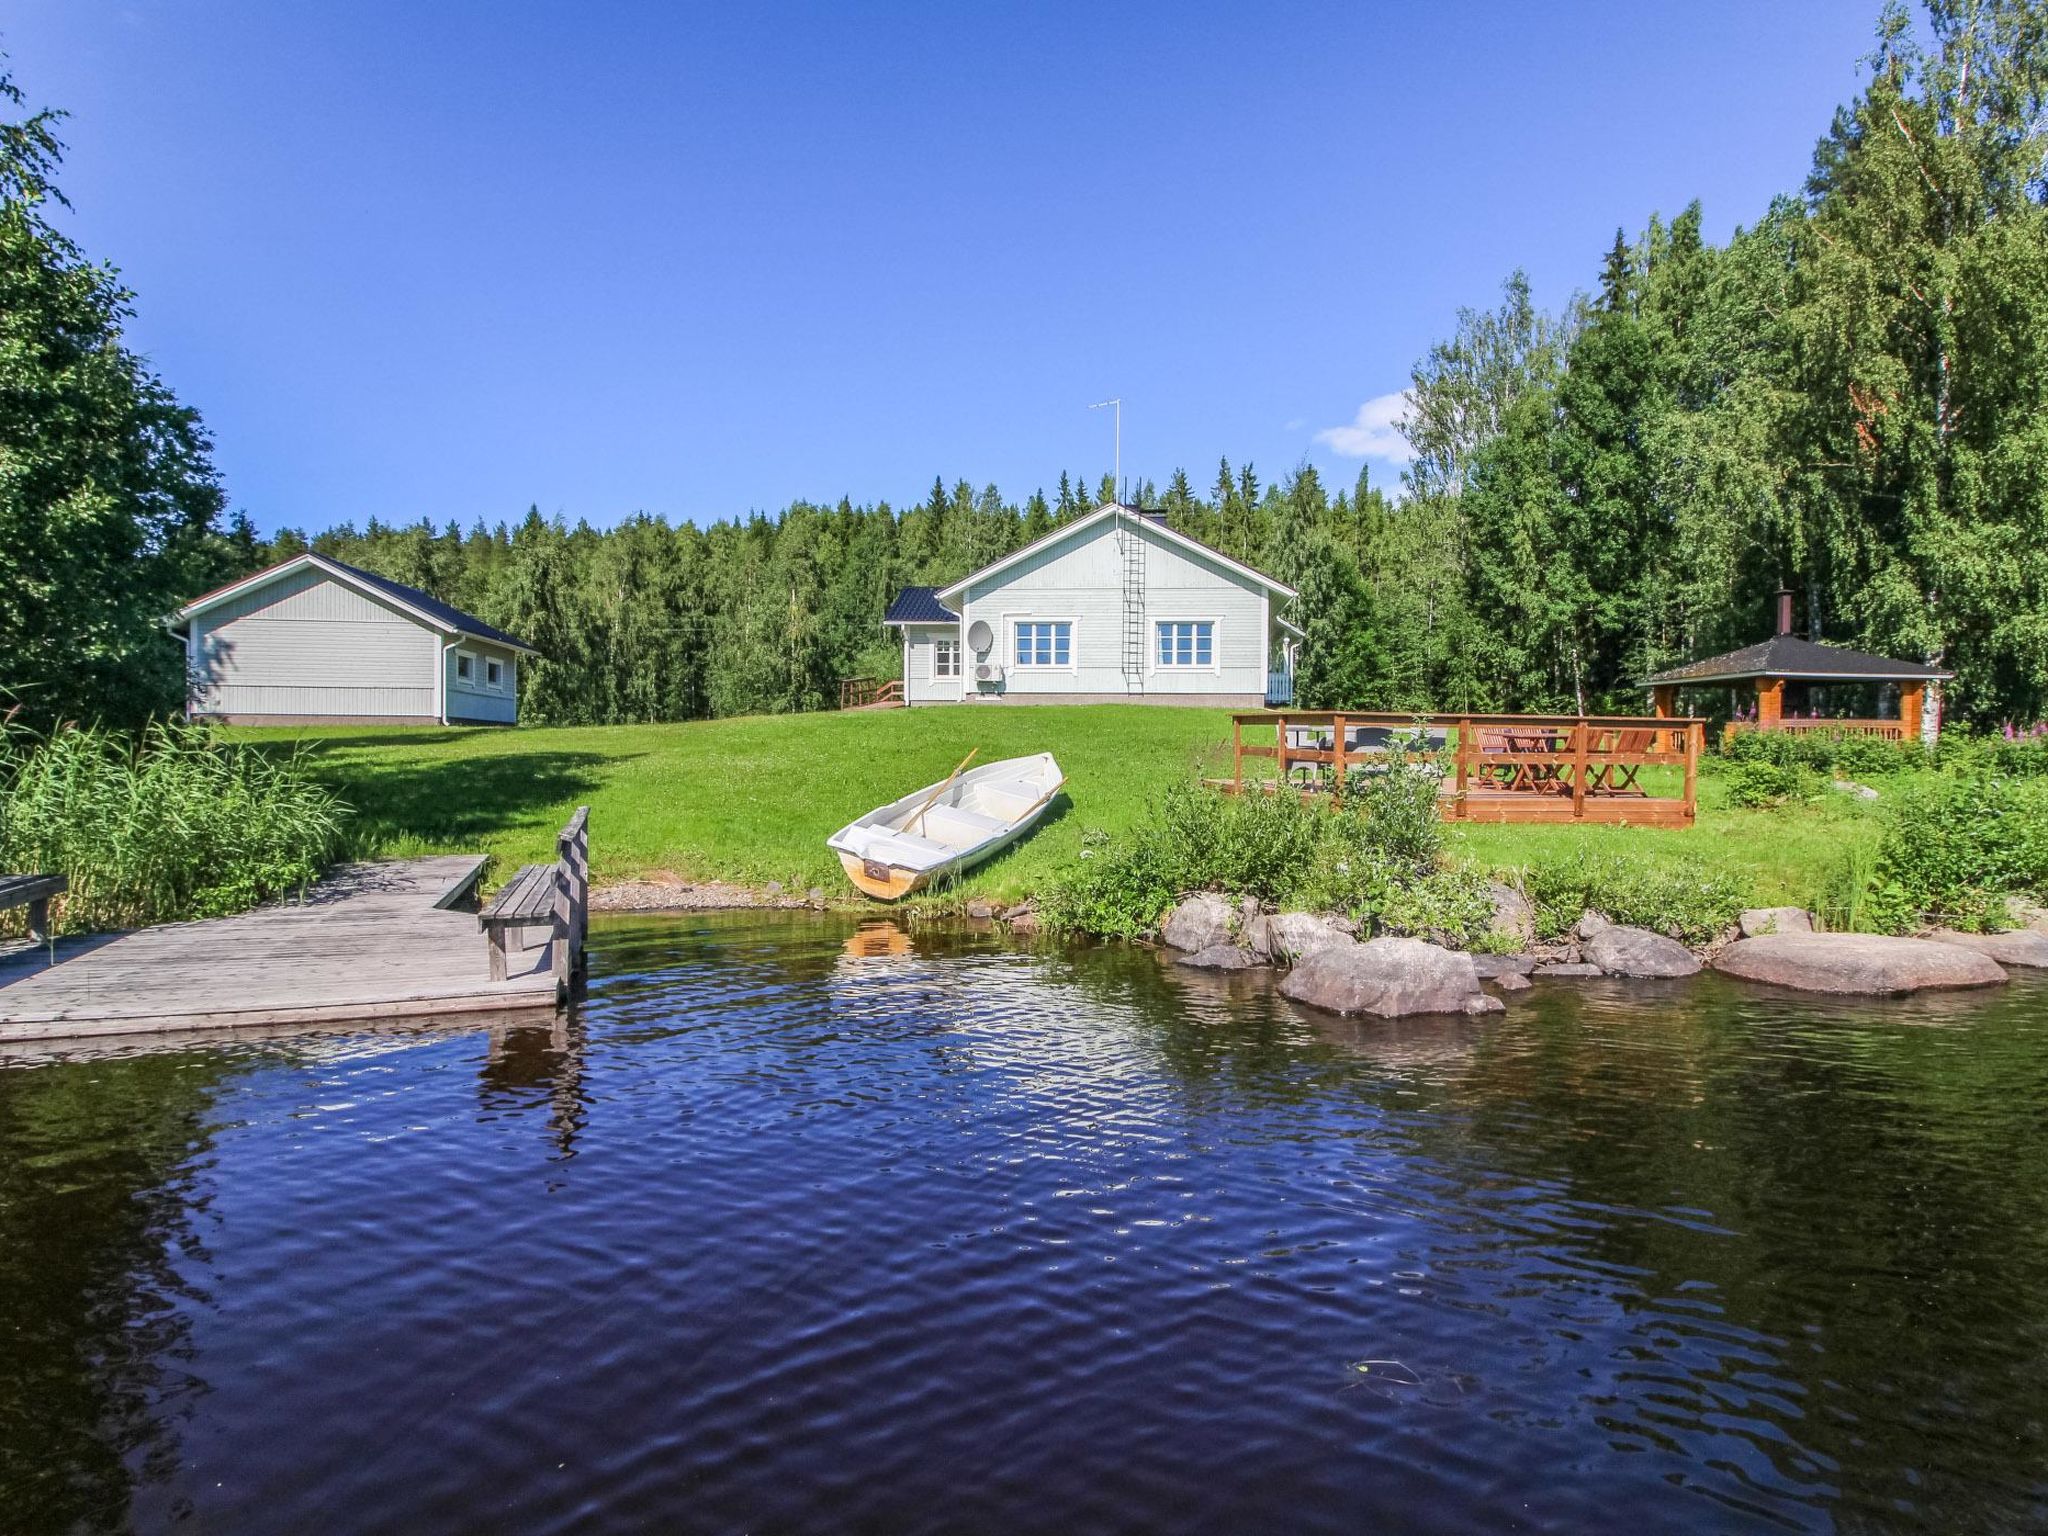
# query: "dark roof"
433 607
1791 657
919 605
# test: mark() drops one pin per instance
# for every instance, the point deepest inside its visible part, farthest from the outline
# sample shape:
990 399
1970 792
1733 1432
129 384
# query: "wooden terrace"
1495 768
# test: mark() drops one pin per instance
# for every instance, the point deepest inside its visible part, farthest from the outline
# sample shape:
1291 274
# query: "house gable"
1103 521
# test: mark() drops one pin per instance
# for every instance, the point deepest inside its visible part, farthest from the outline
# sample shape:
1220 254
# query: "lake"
804 1226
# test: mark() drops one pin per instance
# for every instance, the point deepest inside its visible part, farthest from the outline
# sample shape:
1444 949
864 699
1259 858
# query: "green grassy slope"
752 800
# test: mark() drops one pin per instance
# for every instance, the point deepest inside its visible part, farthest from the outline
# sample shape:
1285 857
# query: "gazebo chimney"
1784 610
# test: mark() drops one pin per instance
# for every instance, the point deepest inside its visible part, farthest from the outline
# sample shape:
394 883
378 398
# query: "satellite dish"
980 636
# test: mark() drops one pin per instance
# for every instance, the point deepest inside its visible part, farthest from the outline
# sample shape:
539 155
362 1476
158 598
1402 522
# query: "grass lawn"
752 800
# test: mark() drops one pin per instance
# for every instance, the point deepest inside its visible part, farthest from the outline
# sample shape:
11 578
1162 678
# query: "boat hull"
894 885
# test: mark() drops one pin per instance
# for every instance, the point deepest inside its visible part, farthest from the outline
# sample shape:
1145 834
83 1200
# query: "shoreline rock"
2022 946
1389 979
1758 921
1857 964
1639 954
1201 922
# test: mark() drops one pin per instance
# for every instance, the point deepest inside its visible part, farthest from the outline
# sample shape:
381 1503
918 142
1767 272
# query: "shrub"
1761 783
2018 755
1374 849
1685 897
1833 752
165 825
1955 845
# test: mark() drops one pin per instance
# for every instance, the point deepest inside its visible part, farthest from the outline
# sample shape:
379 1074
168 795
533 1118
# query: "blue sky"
451 259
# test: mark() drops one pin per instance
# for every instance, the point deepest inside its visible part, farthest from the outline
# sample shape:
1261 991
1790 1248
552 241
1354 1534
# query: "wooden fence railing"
863 692
1889 730
1495 767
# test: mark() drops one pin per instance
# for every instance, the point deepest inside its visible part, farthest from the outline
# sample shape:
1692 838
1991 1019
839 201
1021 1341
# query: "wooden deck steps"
371 941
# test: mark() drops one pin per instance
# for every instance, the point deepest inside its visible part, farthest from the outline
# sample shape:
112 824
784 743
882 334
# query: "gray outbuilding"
314 641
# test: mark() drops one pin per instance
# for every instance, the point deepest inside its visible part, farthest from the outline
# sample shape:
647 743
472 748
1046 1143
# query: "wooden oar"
933 799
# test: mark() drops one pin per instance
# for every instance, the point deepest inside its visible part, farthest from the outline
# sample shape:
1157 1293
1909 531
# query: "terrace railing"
868 692
1494 767
1888 730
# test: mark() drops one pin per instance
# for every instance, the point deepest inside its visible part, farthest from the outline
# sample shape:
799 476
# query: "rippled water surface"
801 1229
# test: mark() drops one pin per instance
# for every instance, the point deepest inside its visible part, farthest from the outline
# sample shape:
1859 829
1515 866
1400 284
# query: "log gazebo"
1784 662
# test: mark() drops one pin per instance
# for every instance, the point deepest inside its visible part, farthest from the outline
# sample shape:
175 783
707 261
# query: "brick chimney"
1784 610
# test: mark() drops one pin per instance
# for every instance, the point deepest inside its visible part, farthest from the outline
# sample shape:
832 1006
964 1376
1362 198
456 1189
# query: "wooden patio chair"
1620 778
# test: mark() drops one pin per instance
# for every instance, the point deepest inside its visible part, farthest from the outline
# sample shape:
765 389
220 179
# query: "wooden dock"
371 941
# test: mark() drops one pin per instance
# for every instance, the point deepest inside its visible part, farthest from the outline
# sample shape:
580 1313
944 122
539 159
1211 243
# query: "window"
494 674
945 658
462 666
1187 642
1045 643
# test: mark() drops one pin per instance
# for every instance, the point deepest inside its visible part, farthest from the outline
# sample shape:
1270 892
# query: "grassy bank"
752 800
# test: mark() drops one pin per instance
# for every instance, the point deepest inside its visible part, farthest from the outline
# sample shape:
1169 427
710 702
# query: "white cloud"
1374 433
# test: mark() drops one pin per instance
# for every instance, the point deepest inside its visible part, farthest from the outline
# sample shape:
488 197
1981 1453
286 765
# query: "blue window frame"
1187 642
1045 643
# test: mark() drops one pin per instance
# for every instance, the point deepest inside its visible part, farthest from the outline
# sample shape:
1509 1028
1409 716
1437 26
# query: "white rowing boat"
946 827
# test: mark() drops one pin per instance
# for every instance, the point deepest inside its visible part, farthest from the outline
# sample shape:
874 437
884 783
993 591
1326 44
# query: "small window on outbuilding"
494 674
462 666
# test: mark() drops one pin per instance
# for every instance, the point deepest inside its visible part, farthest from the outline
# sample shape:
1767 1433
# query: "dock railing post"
1338 766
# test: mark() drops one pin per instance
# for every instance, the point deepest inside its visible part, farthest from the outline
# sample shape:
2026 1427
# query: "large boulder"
1201 922
1388 978
1638 952
1293 936
1758 921
1218 957
1856 964
2021 947
1514 919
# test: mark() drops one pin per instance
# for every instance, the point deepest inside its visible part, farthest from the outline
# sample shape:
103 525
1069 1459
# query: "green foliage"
2018 756
1754 785
108 502
169 824
1363 855
1686 897
1844 753
1956 845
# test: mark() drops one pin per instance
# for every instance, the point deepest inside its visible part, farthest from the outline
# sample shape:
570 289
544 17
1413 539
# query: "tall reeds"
166 824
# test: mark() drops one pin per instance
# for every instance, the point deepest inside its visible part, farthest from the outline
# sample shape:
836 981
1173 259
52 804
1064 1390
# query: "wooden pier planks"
369 942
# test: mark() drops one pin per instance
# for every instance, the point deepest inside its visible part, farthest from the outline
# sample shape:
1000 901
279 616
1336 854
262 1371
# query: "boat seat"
905 849
1005 804
956 827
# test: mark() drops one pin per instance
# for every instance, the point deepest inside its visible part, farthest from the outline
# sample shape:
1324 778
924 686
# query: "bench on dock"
33 892
554 896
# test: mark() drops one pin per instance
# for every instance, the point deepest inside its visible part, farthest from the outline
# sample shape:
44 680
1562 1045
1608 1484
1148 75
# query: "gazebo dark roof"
1787 656
919 605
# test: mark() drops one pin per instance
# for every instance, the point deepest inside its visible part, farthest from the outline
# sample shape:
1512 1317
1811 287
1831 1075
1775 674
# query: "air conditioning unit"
988 672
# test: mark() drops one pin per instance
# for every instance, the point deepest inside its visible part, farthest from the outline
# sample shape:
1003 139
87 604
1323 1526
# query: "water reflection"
538 1065
802 1224
105 1211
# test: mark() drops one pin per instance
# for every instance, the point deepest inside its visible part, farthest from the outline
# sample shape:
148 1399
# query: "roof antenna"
1119 475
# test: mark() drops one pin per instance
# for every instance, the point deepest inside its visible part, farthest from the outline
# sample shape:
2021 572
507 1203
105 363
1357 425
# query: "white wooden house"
314 641
1114 606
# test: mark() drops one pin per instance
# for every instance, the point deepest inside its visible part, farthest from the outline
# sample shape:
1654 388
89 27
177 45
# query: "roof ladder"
1134 604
